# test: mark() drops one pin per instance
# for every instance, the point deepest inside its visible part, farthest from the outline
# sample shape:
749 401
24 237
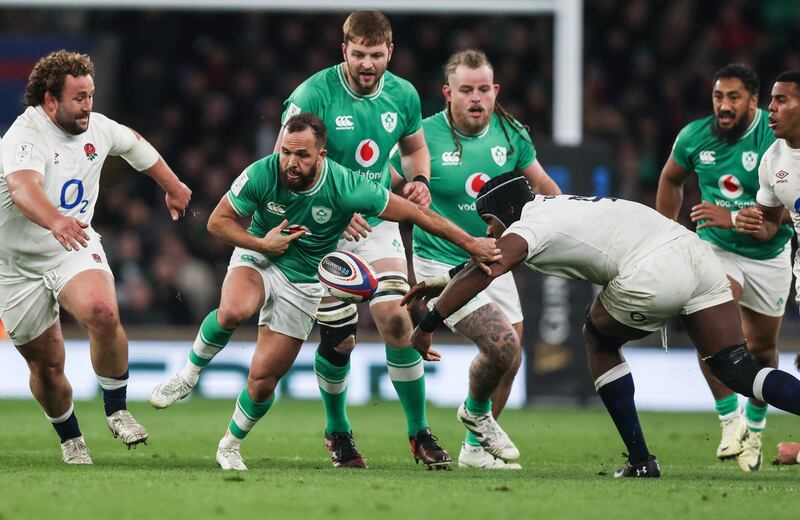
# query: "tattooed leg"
499 350
500 395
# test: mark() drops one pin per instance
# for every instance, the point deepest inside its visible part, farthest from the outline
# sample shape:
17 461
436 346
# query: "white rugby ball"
347 277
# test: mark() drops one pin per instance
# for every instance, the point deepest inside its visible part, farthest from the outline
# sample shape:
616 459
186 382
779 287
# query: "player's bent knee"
233 316
337 328
392 285
736 367
262 388
102 316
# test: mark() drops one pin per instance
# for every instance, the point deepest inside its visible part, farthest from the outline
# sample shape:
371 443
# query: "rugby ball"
347 277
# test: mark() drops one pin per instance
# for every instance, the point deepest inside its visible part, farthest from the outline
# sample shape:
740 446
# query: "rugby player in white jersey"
651 269
779 188
50 257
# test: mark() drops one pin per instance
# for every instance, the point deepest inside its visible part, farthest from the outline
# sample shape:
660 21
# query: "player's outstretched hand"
275 242
178 200
485 250
714 216
70 233
357 229
421 341
421 292
787 453
749 221
418 193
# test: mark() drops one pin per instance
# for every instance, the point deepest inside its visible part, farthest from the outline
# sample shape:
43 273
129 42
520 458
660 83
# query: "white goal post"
567 48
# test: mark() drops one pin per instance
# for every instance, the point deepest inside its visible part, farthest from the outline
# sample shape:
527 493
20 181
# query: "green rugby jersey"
457 178
727 174
361 129
324 211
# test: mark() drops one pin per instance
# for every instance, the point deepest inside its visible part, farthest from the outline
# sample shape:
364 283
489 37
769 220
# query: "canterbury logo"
707 157
278 209
344 123
451 158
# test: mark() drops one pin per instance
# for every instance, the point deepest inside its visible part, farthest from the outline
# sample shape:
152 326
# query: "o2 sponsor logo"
72 195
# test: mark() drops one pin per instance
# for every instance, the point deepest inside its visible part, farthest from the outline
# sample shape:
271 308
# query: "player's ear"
496 88
447 92
389 54
344 51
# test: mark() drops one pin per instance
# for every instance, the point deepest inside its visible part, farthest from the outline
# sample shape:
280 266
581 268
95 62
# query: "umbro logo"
345 123
278 209
707 156
451 158
782 174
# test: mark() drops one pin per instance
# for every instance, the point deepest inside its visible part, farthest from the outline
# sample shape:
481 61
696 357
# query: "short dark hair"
789 76
368 28
303 120
50 73
743 72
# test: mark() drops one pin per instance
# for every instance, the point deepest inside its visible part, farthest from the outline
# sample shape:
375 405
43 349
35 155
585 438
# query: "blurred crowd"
207 89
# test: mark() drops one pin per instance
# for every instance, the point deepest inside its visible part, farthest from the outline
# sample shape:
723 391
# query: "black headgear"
504 196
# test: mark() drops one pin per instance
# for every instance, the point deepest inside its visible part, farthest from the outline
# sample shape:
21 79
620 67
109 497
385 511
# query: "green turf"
567 455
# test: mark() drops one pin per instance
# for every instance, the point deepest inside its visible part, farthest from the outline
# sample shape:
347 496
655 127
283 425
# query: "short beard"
69 124
301 184
731 135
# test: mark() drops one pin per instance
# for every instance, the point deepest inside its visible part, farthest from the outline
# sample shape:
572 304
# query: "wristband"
431 319
457 269
437 281
733 217
424 180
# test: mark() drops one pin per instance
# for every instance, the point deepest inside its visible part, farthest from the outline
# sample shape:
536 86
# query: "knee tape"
337 314
735 367
392 285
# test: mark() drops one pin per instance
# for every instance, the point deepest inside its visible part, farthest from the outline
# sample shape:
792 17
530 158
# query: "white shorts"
29 300
682 277
765 283
289 308
383 242
502 292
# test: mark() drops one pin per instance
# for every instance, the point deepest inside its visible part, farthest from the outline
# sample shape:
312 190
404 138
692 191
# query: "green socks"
727 405
755 417
247 413
210 340
408 377
332 381
474 406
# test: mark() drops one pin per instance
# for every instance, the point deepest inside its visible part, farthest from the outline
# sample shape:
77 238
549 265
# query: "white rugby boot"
124 426
734 430
229 457
750 457
477 457
491 436
167 393
75 451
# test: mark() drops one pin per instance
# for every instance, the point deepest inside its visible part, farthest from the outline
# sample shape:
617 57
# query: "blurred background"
206 87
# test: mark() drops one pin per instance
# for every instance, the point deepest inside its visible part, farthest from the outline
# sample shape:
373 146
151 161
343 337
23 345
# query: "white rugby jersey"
71 166
590 238
779 179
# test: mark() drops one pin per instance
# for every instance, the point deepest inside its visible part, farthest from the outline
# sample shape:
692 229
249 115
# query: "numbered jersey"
361 129
727 174
456 177
590 238
71 166
323 212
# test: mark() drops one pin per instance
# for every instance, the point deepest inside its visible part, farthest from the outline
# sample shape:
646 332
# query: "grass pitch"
568 457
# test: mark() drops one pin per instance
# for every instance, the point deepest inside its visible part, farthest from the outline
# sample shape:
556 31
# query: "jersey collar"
347 88
463 135
61 134
753 125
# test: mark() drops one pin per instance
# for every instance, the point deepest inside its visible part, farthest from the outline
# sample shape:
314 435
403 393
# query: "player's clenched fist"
69 232
178 200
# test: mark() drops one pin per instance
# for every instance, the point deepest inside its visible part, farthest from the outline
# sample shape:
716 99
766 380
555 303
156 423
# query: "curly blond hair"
50 73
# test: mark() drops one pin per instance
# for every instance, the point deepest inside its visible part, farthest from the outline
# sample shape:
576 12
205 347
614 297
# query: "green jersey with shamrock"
323 211
361 129
727 174
456 177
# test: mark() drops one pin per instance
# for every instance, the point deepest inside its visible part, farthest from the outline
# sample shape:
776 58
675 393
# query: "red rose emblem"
89 149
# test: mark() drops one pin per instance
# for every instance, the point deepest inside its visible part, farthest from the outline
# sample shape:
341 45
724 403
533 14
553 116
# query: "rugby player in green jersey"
367 111
300 203
724 151
472 140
